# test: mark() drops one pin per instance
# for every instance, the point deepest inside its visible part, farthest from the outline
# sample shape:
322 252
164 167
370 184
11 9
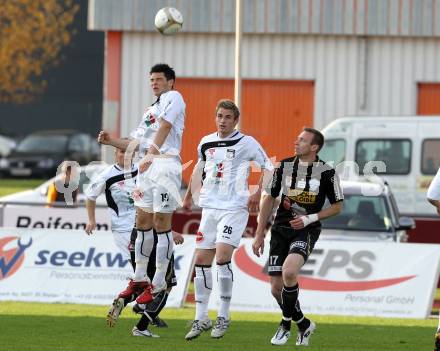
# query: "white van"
408 146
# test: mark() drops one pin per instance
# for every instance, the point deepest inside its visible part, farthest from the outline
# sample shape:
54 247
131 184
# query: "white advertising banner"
345 278
41 217
69 266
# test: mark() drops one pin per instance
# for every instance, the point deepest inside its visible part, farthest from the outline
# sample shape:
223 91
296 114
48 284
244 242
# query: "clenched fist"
104 138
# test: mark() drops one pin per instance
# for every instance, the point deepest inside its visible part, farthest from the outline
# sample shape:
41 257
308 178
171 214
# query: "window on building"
430 156
395 153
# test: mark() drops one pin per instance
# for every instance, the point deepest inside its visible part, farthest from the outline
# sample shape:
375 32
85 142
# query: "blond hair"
228 105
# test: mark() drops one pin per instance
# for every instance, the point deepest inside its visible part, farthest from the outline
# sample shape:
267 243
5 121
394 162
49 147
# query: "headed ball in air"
168 20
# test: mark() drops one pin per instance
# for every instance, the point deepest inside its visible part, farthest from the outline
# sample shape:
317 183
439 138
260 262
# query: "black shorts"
151 268
285 241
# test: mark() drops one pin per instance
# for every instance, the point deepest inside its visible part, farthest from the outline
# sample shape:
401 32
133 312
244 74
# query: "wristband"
309 219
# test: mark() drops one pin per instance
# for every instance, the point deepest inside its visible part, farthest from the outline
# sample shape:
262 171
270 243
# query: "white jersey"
118 187
434 188
226 164
171 108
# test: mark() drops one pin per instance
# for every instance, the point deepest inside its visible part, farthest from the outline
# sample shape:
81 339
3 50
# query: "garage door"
428 99
273 111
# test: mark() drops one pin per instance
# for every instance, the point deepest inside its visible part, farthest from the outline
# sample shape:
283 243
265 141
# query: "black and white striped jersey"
118 186
303 188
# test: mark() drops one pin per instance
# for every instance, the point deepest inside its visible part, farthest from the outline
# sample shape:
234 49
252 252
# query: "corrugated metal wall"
330 17
353 75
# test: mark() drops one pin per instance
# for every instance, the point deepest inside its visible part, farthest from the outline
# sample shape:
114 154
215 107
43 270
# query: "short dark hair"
228 105
318 138
165 69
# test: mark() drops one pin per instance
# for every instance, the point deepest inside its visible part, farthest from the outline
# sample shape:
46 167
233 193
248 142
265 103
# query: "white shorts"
160 186
122 241
221 226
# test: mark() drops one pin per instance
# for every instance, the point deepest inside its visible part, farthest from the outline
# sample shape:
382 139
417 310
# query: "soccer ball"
168 20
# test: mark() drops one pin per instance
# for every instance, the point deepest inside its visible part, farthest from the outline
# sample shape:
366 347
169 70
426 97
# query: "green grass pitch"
36 326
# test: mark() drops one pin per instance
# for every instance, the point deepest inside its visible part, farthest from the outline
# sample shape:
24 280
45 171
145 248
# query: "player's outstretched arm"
105 138
187 200
194 186
91 225
267 204
254 199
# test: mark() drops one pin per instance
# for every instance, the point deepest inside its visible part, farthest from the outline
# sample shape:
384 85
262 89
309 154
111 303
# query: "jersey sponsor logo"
331 261
230 154
301 196
199 237
306 198
11 259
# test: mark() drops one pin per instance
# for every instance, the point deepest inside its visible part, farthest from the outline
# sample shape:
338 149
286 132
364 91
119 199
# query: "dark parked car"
40 153
369 214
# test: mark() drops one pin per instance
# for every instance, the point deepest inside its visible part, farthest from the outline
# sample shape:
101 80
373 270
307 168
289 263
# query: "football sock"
143 323
142 249
202 290
164 250
286 323
131 248
289 296
298 317
152 310
133 260
225 279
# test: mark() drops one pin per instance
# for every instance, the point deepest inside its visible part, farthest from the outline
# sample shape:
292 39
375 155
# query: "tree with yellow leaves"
32 35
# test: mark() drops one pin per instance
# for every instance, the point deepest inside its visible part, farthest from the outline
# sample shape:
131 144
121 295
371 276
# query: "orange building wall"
273 111
428 99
